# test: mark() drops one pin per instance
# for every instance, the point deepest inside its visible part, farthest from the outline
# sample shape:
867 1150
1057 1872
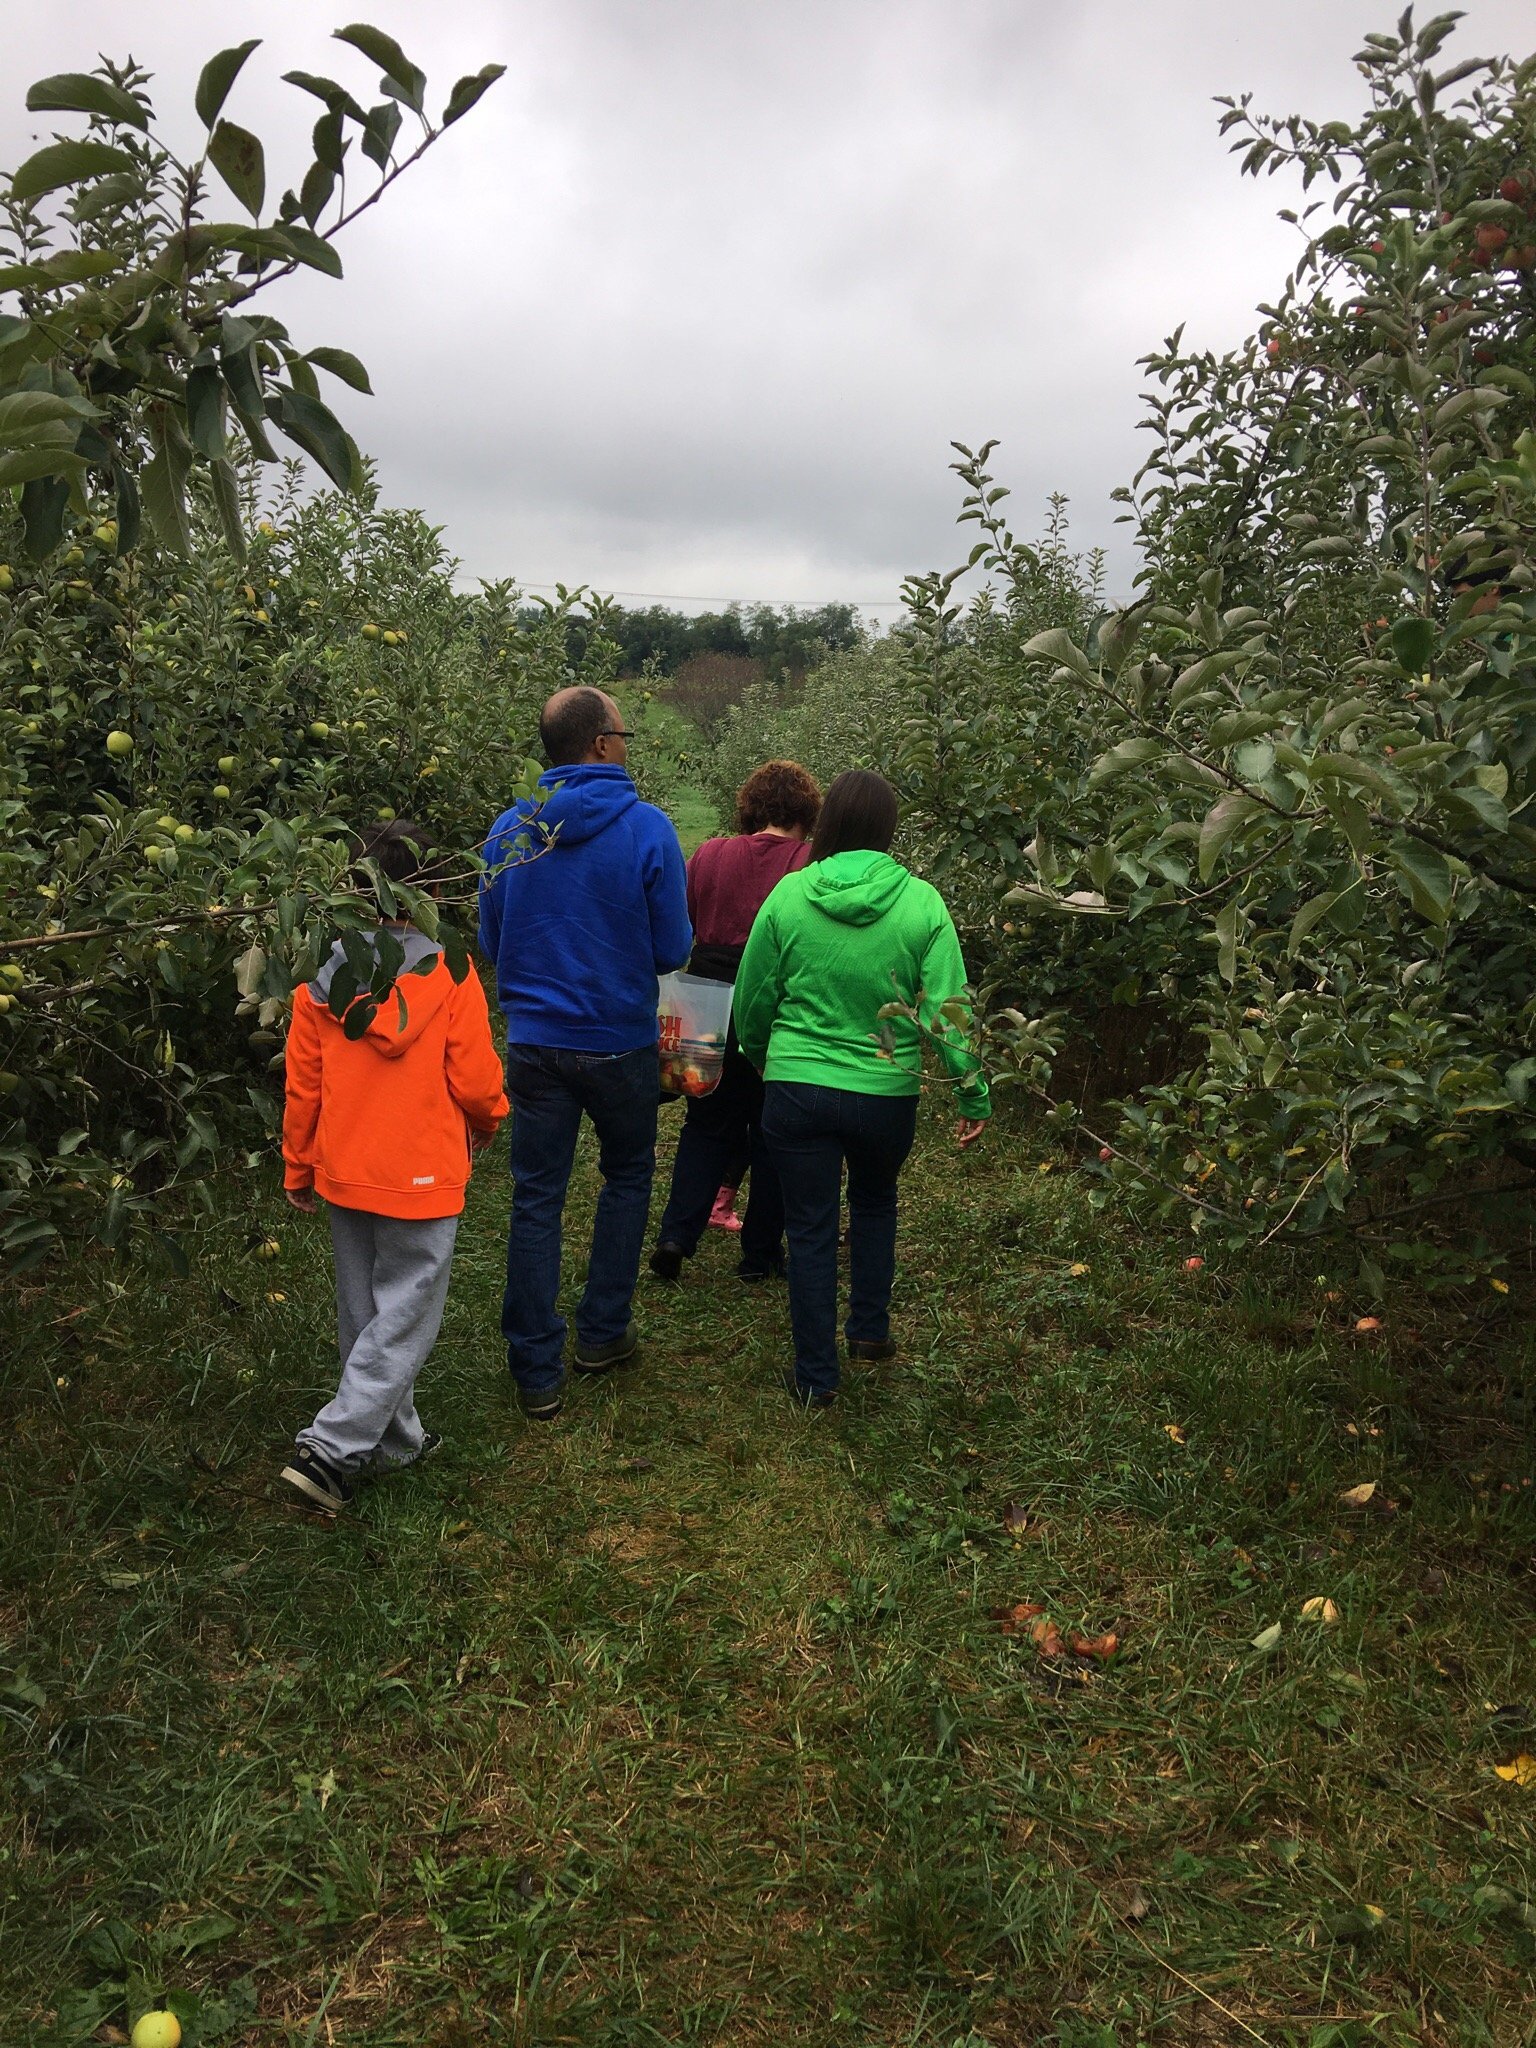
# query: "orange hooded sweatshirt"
382 1122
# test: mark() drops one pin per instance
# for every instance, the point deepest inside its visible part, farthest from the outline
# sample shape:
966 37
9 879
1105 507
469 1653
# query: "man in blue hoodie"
584 903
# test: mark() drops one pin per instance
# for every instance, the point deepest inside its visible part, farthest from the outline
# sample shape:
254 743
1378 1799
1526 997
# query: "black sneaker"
666 1261
753 1272
872 1350
804 1397
545 1405
320 1483
431 1440
592 1359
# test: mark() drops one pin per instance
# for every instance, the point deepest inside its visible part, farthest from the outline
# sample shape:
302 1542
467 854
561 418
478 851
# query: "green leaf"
238 158
242 376
226 499
205 410
1426 875
44 501
1057 645
315 428
164 483
1126 755
29 417
384 51
1413 642
1226 928
307 248
128 509
1200 673
336 97
342 365
23 465
77 92
315 192
1225 817
67 163
469 90
70 266
1480 803
218 75
1308 915
379 132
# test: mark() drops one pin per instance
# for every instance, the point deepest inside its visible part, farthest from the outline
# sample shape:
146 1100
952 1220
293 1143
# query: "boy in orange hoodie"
384 1127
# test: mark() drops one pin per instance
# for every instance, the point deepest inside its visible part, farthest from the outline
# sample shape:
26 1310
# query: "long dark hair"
858 812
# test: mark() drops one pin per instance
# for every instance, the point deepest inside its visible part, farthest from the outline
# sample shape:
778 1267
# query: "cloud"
698 296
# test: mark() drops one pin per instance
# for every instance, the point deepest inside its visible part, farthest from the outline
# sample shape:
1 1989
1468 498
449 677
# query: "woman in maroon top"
728 881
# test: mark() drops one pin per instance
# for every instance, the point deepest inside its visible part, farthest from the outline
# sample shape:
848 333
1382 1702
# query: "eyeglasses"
616 732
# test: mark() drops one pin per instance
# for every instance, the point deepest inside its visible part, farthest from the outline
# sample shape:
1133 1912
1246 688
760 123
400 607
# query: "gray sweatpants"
391 1284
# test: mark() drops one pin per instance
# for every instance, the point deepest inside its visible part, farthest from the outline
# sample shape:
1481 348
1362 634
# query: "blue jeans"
550 1090
722 1133
810 1131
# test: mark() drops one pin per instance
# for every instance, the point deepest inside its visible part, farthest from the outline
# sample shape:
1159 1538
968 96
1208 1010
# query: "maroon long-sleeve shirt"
730 879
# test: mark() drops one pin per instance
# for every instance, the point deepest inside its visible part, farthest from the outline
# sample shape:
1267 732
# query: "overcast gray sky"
695 300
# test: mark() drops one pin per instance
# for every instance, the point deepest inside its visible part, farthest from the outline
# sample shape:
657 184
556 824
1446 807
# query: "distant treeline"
781 641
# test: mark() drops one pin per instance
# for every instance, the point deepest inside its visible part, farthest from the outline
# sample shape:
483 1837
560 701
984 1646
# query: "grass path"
690 1718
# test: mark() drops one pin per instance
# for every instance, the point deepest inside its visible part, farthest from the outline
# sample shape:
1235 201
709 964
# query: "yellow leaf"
1173 1429
1499 1286
1080 1269
1520 1770
1319 1609
1357 1496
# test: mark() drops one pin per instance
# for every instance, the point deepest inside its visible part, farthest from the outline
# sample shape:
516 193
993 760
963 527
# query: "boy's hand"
302 1198
971 1128
478 1140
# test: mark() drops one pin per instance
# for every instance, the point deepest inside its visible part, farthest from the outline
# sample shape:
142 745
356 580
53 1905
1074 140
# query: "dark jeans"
721 1132
810 1132
550 1090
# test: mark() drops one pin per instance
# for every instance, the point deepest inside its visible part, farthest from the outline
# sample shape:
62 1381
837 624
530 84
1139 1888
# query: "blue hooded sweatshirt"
585 914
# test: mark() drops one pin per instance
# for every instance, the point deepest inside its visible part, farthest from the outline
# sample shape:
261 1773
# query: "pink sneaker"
723 1215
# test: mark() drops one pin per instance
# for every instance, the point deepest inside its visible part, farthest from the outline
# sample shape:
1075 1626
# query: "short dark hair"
779 793
859 811
401 851
567 733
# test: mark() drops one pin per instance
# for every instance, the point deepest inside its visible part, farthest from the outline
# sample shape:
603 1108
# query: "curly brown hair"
779 793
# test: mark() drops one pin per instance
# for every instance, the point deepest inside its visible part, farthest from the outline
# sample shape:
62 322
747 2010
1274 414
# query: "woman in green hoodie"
833 944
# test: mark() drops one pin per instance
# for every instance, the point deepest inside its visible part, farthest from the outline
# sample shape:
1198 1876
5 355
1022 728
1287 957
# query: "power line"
693 597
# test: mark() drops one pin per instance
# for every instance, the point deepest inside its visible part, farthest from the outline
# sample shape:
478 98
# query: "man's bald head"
579 725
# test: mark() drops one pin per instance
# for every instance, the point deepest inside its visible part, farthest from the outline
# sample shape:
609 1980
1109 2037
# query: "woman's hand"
970 1129
303 1199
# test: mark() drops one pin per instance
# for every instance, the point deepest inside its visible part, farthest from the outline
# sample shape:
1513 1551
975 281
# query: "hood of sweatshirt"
856 888
581 799
400 1019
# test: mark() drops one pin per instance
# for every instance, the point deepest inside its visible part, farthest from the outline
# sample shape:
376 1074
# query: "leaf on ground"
1127 1901
1355 1923
1047 1637
1100 1648
1319 1609
1174 1430
1015 1519
1358 1496
1014 1618
1520 1770
1267 1638
1495 1898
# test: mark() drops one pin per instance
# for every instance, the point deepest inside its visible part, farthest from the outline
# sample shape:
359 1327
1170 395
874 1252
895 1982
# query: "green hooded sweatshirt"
834 943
